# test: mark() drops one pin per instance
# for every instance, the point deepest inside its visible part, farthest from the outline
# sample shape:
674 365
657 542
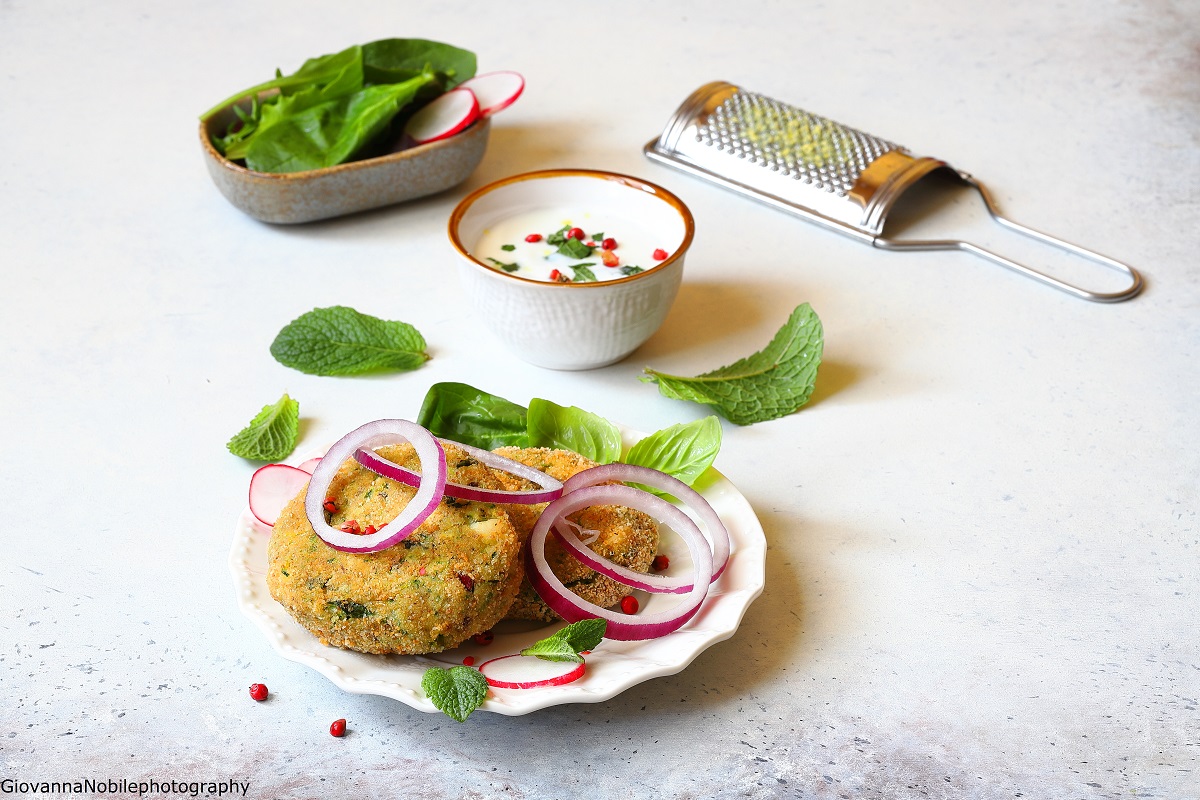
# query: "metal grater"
827 173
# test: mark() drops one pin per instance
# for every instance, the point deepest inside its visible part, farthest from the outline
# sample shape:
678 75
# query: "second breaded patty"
623 535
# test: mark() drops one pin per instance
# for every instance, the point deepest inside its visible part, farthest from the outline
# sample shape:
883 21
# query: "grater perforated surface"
787 140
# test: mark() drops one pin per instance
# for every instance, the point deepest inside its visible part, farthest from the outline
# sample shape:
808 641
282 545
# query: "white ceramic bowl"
573 326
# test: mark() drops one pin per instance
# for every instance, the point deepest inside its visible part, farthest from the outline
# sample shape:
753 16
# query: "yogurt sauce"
506 247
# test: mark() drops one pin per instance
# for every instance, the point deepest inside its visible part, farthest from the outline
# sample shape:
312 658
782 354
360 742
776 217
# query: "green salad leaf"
330 132
568 643
341 341
271 435
465 414
456 691
683 451
396 60
338 106
769 384
572 428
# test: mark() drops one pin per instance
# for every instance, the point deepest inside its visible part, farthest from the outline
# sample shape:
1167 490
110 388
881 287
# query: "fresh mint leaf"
772 383
465 414
631 270
573 248
341 341
271 435
572 428
583 272
567 643
682 451
508 248
559 236
456 691
513 267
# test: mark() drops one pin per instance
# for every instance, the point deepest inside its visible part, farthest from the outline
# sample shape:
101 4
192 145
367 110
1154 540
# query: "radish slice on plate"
529 672
445 116
271 487
310 465
495 91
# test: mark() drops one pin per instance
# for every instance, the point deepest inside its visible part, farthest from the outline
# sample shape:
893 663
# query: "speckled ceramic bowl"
573 326
345 188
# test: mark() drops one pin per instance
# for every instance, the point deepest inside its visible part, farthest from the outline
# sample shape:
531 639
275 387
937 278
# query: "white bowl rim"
628 180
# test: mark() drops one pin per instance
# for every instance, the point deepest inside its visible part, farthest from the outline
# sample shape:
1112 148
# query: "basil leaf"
772 383
271 435
583 273
567 643
341 341
456 691
682 451
513 267
631 270
573 248
396 60
331 132
465 414
592 436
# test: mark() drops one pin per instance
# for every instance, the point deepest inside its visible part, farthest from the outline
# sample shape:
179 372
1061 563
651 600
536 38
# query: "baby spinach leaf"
341 341
330 132
769 384
396 60
271 435
314 71
456 691
572 428
283 106
465 414
683 451
568 643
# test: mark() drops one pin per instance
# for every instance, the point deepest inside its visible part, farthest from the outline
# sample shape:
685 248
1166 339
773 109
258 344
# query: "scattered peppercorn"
609 244
469 661
351 526
629 604
329 505
258 691
660 254
485 638
660 563
338 728
533 237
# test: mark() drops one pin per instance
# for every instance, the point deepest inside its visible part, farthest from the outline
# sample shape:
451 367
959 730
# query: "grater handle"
1136 282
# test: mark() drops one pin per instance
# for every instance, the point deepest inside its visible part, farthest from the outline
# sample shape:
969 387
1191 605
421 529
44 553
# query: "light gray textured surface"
982 578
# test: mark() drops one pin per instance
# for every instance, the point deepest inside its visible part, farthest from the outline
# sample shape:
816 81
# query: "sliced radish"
271 487
495 91
310 465
445 116
529 672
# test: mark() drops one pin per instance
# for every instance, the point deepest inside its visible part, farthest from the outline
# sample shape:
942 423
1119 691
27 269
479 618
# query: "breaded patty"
623 535
453 577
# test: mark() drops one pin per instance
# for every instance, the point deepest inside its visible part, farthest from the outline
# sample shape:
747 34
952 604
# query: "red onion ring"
377 434
573 608
718 534
549 488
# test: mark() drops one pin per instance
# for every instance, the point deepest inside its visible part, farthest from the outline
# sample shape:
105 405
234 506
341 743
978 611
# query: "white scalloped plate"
612 667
